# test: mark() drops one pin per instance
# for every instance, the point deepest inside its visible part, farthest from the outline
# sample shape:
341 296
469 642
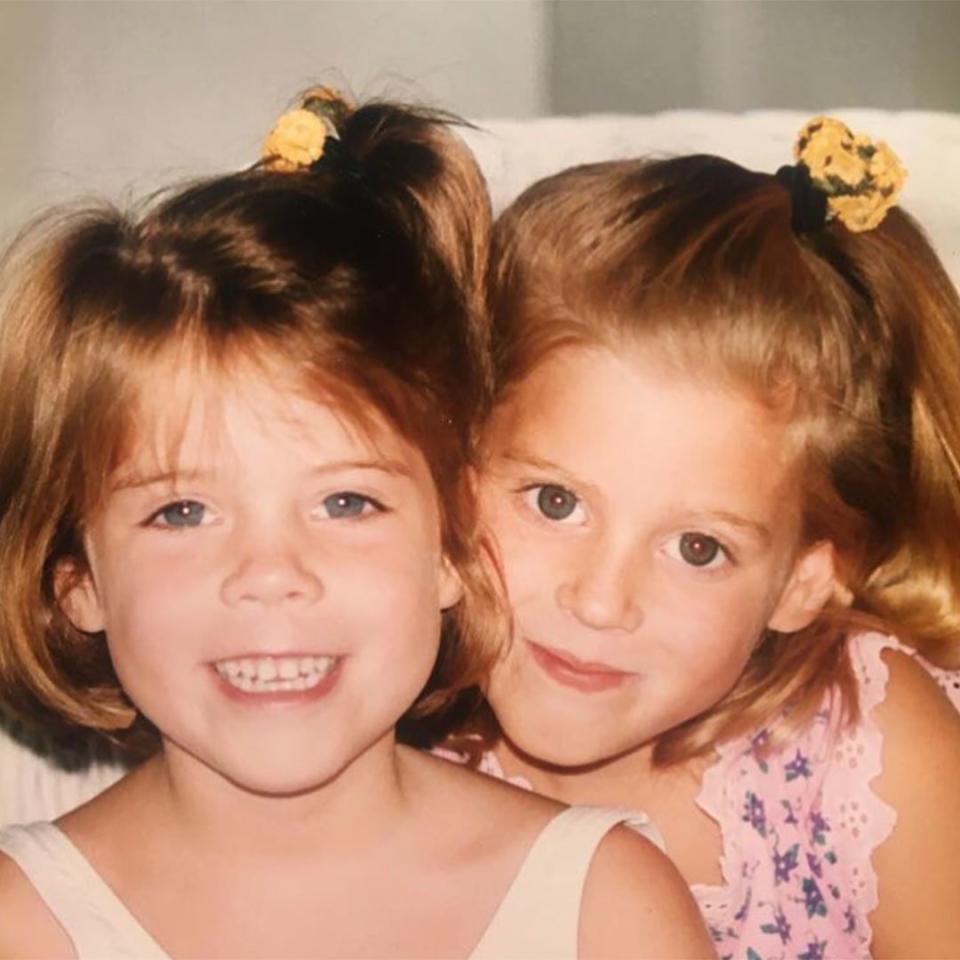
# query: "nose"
270 573
602 588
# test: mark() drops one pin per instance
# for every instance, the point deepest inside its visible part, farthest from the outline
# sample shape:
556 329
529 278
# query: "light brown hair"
362 277
857 335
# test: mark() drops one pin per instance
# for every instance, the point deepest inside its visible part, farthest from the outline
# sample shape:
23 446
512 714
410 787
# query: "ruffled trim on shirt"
489 764
715 900
850 803
855 812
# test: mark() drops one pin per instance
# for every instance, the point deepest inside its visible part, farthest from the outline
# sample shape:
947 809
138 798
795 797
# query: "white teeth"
266 674
266 669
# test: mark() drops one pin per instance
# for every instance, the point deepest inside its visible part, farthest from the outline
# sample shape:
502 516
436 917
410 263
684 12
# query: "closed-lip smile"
570 671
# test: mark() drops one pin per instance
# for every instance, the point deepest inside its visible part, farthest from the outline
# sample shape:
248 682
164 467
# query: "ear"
77 595
811 585
451 585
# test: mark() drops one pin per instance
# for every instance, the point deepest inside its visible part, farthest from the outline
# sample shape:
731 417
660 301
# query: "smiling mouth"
274 674
582 675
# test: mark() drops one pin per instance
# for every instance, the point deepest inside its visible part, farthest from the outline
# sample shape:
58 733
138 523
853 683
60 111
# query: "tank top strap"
539 917
91 914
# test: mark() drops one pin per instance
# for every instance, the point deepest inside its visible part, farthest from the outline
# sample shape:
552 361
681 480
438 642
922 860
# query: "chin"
273 770
276 781
556 747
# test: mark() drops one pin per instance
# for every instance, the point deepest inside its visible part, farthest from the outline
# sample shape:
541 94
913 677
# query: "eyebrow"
134 481
522 458
751 527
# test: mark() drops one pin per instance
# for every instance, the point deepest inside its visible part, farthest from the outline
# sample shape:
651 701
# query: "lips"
569 671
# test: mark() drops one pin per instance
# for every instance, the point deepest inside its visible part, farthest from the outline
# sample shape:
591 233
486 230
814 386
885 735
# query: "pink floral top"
799 827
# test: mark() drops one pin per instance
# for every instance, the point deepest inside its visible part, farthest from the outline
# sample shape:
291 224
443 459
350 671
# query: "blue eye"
345 505
555 502
183 513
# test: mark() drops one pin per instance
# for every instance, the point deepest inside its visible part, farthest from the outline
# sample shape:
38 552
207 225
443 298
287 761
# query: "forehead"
191 416
635 416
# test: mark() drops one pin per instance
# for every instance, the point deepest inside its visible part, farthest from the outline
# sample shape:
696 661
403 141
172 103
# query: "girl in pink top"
722 472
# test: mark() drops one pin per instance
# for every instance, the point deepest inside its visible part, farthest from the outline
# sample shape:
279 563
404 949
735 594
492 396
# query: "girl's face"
648 524
272 598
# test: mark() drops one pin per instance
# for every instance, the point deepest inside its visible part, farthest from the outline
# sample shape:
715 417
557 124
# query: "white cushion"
514 153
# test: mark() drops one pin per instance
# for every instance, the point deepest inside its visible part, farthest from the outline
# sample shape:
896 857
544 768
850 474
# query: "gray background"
738 55
113 97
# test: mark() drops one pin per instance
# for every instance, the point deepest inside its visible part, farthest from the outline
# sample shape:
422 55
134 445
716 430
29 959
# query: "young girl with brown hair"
233 518
722 471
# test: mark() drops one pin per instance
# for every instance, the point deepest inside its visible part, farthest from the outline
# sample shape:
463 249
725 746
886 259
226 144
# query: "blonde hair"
857 335
362 277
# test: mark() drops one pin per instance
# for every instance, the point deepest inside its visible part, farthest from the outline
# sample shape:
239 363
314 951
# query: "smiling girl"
233 517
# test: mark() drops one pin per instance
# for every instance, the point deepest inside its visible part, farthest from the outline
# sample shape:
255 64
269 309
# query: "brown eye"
698 549
556 503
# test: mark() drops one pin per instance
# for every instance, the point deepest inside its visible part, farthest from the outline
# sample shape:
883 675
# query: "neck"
210 812
624 780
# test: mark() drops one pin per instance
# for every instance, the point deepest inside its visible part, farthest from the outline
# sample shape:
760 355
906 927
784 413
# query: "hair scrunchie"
842 175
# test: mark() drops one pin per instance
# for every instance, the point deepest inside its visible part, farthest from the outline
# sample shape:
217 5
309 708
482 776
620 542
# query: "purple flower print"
741 914
818 826
781 928
813 898
814 864
784 864
851 919
798 767
757 744
754 813
815 951
791 817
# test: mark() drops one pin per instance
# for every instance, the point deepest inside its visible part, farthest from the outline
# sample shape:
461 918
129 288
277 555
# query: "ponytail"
918 589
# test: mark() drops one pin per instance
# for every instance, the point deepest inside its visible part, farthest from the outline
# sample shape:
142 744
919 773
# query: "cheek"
392 594
722 627
701 615
152 623
156 591
524 563
407 584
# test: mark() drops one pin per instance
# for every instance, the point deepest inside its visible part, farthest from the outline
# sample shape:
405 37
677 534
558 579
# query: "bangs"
150 396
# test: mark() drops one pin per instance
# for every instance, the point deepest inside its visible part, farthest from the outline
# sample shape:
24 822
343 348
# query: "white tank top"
537 919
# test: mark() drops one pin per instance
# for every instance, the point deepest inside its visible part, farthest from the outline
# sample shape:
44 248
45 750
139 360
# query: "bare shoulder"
452 783
636 904
921 741
918 866
35 932
475 801
913 698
